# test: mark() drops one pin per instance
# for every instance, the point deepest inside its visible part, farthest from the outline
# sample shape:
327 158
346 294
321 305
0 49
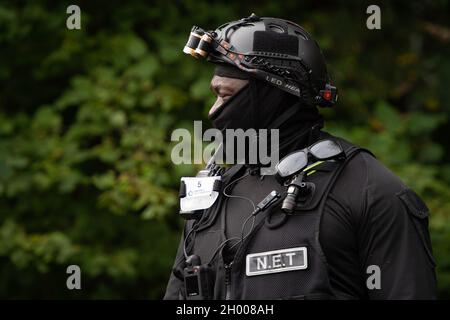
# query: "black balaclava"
258 105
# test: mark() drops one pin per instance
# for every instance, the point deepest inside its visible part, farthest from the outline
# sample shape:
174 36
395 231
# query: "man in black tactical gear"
355 232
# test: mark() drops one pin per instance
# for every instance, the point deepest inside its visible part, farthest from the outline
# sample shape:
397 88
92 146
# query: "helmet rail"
285 71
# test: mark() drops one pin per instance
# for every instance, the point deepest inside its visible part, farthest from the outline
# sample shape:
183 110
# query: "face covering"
258 105
234 113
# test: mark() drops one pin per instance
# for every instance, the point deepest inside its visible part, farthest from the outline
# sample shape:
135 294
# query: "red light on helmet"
327 95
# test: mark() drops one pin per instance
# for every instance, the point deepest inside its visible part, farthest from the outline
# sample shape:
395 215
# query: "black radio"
198 280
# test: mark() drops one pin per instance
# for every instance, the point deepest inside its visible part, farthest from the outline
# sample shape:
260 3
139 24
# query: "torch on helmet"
277 51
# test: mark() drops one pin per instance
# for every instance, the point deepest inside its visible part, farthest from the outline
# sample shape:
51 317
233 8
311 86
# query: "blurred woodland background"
86 117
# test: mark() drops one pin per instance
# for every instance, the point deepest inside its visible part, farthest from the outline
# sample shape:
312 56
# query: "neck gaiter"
258 105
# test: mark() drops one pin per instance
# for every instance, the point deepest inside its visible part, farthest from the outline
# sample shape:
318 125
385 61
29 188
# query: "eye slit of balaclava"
227 114
231 103
224 70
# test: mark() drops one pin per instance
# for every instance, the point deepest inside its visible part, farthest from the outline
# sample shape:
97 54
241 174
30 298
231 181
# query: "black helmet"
274 50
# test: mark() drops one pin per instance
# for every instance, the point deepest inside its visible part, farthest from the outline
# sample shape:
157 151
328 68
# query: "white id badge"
200 193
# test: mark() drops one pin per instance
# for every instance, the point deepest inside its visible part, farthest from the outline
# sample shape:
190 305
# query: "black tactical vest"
282 257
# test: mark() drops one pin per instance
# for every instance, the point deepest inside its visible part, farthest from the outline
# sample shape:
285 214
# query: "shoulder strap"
350 150
324 183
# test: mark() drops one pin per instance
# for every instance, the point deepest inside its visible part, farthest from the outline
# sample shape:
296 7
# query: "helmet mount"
277 51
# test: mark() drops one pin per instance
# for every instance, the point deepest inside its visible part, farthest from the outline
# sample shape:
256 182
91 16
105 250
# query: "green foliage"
86 118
